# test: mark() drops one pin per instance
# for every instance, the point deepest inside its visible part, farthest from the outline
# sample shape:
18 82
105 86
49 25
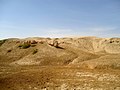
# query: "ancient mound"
61 51
78 63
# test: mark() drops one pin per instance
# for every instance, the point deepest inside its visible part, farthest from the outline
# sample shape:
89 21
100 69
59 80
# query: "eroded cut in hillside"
61 51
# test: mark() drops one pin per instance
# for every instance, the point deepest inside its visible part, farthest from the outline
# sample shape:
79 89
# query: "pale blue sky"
59 18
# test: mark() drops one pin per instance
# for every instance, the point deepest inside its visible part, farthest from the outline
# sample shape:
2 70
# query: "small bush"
20 45
2 41
35 51
24 46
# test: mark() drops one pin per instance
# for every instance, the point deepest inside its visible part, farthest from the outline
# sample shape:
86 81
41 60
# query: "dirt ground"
58 78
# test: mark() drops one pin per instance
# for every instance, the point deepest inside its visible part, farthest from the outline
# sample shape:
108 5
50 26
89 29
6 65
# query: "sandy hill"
89 52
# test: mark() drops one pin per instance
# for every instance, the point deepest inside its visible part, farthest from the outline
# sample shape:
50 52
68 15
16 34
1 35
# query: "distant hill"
84 52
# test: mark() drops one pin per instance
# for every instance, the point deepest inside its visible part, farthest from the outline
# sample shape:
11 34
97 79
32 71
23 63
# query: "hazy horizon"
59 18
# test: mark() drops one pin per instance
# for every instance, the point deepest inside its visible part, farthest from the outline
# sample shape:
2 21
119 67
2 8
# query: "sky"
59 18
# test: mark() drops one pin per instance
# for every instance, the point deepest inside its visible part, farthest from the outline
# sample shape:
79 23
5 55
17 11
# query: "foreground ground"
58 78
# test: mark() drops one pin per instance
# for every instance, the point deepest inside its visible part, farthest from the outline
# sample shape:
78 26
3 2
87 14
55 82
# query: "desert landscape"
59 44
70 63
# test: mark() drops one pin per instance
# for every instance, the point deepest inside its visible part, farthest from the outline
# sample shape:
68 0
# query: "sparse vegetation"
35 51
24 46
2 41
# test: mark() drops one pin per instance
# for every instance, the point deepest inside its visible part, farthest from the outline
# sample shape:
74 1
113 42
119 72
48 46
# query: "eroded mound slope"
85 63
88 52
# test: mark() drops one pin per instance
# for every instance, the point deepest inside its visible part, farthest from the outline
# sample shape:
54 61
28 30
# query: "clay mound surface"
79 51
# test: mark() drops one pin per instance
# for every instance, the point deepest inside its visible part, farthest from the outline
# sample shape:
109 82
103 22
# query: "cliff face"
59 51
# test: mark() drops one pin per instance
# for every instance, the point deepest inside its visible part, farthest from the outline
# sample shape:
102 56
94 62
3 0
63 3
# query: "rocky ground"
58 78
